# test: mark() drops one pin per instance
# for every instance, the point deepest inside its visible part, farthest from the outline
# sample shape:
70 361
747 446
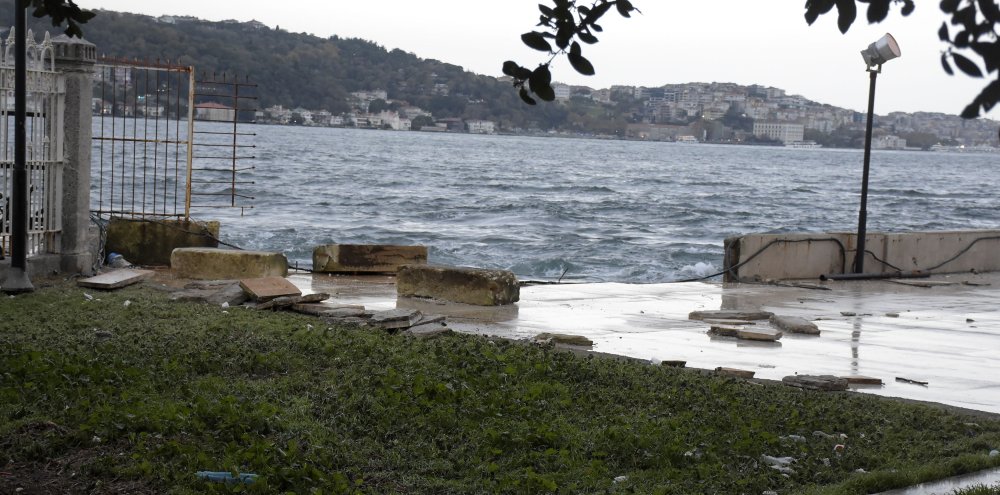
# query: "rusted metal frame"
190 147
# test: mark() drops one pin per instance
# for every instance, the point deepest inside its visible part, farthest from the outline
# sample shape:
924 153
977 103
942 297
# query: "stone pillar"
75 58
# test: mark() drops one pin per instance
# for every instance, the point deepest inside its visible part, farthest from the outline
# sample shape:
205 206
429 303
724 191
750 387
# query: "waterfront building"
779 131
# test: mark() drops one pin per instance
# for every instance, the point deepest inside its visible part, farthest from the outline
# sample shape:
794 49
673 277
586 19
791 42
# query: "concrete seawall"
807 256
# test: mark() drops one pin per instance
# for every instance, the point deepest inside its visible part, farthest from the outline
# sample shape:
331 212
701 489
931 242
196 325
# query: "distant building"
783 132
889 142
214 111
563 91
481 126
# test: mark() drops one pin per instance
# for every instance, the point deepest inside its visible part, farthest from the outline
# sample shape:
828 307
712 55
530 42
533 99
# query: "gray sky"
743 41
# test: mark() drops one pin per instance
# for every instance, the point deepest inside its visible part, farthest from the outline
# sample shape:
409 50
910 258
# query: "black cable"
884 262
960 253
204 233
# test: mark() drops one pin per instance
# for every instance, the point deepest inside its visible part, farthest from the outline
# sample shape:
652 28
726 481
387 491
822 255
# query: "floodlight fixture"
881 51
877 53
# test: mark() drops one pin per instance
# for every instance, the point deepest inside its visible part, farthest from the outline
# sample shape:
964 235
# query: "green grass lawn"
100 396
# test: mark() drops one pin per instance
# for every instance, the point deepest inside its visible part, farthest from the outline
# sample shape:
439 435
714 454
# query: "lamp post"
875 55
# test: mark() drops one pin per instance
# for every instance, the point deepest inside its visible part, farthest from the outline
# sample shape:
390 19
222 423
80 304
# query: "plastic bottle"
116 260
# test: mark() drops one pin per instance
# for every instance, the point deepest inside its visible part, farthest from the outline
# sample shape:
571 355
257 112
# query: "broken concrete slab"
230 295
826 383
427 331
317 309
738 373
716 321
763 334
395 319
565 339
289 301
795 324
208 263
478 286
115 279
267 288
862 380
729 314
673 363
366 258
725 330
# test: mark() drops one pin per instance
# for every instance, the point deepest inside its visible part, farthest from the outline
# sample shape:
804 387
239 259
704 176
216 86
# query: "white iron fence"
46 91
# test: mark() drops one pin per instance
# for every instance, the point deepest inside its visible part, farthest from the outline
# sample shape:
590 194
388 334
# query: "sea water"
582 209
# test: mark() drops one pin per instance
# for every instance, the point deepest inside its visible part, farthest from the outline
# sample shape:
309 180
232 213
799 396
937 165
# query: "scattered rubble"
115 279
738 373
267 288
673 363
862 380
909 380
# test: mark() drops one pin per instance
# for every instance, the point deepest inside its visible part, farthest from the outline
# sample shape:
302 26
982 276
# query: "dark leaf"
908 7
990 52
546 10
943 32
816 8
946 65
525 98
540 77
86 16
625 7
948 6
582 65
597 12
596 27
39 12
877 11
990 10
586 37
535 40
523 73
968 66
510 68
847 11
546 92
971 111
563 36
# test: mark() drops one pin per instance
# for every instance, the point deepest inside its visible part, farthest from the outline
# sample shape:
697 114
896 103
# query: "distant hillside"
303 70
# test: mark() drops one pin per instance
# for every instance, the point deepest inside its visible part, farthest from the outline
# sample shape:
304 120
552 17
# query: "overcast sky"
743 41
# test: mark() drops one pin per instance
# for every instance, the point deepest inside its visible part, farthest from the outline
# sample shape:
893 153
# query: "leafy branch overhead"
60 11
973 29
565 24
972 36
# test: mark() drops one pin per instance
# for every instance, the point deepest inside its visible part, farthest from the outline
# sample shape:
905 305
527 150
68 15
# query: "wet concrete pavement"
931 340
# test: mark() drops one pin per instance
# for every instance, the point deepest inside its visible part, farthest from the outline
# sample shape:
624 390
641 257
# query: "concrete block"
729 314
725 330
764 334
565 339
862 380
368 258
210 264
795 324
115 279
476 286
267 288
148 242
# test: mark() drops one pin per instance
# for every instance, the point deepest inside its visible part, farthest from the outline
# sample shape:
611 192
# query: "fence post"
75 59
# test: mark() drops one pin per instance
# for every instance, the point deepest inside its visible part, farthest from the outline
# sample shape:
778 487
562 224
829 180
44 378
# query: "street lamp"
877 53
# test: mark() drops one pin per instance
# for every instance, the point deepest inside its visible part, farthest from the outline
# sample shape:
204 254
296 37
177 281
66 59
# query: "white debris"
620 479
225 304
88 296
127 303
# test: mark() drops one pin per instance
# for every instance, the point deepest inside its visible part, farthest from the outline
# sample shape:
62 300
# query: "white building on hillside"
481 126
783 132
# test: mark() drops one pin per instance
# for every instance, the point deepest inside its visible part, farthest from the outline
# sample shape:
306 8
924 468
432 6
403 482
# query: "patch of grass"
979 490
138 398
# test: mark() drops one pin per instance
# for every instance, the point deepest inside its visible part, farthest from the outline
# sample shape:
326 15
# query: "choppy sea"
583 209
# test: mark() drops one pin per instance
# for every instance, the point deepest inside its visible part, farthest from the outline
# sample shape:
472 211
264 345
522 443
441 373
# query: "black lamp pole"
17 278
859 255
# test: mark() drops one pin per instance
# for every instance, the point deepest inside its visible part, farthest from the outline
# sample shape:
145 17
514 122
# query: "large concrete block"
216 264
148 242
369 258
458 284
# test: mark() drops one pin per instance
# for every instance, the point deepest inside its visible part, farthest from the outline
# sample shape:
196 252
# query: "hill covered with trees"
302 70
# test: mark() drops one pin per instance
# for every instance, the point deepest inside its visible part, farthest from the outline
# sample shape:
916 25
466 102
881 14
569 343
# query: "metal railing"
46 91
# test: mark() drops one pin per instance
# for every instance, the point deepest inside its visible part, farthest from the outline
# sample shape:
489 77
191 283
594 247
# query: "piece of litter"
127 303
907 380
839 447
892 315
226 477
619 479
225 304
88 296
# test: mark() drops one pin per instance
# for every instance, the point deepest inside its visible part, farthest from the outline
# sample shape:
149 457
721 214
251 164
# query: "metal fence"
46 91
149 159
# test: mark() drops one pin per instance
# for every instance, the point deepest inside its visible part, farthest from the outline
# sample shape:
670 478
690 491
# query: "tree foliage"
971 33
59 11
